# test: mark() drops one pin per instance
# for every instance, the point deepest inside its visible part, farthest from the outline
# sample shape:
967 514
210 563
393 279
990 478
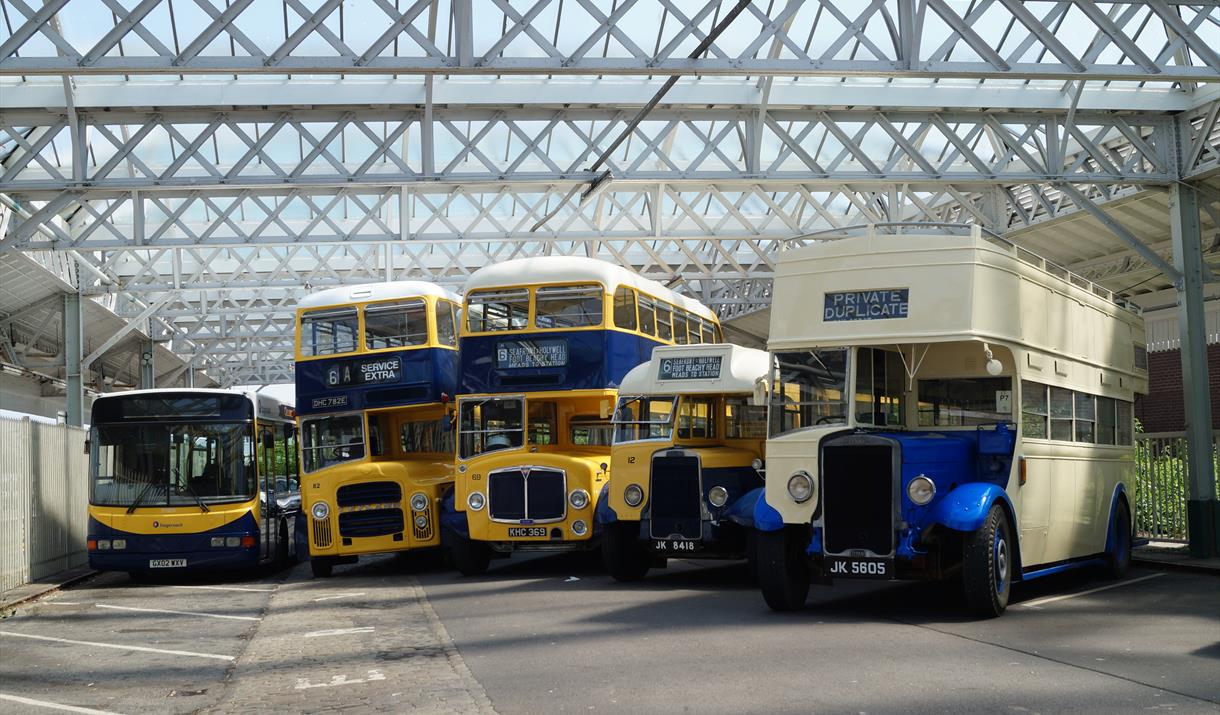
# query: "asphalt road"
555 634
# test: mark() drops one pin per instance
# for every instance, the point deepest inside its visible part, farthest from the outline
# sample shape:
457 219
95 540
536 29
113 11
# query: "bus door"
266 489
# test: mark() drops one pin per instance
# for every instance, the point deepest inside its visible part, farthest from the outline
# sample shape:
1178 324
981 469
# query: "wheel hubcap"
1001 562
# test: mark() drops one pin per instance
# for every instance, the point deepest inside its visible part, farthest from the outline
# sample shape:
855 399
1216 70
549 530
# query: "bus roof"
735 372
366 292
576 269
263 400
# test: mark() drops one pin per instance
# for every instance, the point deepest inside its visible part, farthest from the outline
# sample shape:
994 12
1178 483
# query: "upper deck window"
395 325
961 401
446 323
490 311
648 321
680 326
568 306
624 308
810 388
665 330
330 331
638 418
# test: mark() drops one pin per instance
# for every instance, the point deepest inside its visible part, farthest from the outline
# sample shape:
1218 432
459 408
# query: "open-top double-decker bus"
545 342
953 406
187 479
687 456
376 370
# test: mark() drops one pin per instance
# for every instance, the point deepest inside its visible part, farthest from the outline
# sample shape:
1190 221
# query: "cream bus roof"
576 269
366 292
884 289
265 402
736 371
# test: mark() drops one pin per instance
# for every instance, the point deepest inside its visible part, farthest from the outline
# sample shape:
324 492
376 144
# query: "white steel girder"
1139 40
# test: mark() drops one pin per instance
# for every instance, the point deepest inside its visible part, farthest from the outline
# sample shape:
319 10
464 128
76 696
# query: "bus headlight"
320 510
579 499
119 543
103 544
419 501
633 495
757 464
476 500
579 528
218 541
921 490
800 487
718 496
232 541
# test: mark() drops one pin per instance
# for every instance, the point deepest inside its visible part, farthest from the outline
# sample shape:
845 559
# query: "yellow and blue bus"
952 407
376 370
545 342
186 479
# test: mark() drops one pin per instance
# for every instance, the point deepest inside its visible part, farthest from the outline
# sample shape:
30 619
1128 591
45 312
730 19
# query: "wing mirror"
760 392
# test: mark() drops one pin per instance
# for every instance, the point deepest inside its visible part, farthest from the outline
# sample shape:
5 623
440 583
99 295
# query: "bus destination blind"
697 367
364 372
866 305
513 354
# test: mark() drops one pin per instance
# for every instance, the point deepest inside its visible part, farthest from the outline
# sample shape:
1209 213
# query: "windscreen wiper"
198 499
140 497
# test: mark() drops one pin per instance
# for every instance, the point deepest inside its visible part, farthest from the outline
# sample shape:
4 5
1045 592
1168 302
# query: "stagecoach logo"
158 525
866 305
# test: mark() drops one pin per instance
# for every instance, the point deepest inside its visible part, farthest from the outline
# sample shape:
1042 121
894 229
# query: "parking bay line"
1052 599
178 613
339 632
54 706
339 595
115 646
231 588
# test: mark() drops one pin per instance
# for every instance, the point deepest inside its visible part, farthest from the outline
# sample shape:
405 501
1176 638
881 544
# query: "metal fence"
1162 484
43 497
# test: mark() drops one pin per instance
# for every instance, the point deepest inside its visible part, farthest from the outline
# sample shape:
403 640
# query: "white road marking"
117 646
231 588
63 603
1052 599
53 706
340 595
339 631
304 684
178 613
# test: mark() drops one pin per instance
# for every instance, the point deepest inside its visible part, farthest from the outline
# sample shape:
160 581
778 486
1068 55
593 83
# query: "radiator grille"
533 493
370 522
858 494
321 533
674 497
369 493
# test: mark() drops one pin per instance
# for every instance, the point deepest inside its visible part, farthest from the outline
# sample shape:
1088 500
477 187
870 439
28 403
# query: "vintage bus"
953 406
188 479
545 343
376 370
687 456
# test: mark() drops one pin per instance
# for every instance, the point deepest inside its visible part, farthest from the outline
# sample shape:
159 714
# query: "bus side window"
665 329
624 308
648 324
680 320
709 332
446 334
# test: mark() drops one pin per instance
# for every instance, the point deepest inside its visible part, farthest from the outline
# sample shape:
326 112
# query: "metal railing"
1162 484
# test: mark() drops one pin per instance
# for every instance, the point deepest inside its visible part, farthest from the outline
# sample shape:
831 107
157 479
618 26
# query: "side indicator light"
247 541
91 544
1021 471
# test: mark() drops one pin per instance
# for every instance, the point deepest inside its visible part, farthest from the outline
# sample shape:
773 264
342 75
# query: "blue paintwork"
597 360
451 519
815 542
744 510
766 518
194 547
965 508
1119 491
604 514
427 374
1087 562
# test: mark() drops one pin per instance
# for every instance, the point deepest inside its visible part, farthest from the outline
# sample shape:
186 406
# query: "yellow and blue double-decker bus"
545 343
187 479
376 370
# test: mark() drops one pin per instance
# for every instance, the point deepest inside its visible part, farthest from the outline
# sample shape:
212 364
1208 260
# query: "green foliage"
1161 486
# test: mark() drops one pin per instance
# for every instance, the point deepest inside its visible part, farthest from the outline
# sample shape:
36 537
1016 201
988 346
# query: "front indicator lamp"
920 490
633 495
757 464
579 528
233 541
218 541
320 510
718 496
579 499
419 501
119 543
476 500
103 544
800 487
421 522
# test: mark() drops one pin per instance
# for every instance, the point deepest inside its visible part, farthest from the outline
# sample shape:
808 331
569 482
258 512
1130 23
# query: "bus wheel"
625 558
1118 560
987 564
783 569
470 557
282 554
321 567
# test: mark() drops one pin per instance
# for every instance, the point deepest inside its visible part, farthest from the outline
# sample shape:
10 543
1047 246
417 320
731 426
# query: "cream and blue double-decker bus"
545 342
376 370
688 458
944 405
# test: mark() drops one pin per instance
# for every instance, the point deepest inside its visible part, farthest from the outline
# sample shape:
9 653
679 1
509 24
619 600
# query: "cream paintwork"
739 368
966 291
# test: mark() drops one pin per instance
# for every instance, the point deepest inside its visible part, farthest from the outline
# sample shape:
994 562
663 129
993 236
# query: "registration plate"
526 531
166 563
859 567
675 545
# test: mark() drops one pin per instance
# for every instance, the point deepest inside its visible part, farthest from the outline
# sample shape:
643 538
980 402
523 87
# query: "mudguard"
742 511
1119 490
766 518
604 514
965 508
451 519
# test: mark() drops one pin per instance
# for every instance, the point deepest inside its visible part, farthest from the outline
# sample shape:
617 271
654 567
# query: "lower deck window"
326 441
964 401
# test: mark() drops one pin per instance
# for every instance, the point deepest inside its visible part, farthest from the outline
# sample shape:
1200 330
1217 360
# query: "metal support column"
74 339
148 373
1203 516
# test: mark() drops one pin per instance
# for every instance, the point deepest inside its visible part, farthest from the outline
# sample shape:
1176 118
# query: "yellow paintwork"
432 342
582 465
173 519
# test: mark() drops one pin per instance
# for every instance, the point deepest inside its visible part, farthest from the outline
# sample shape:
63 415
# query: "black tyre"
988 560
625 557
469 557
282 553
1118 560
321 567
783 568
